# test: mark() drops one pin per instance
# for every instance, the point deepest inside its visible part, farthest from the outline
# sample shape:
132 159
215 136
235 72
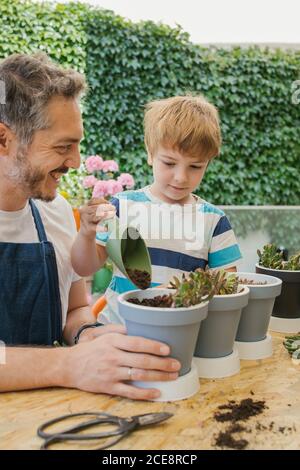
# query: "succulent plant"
293 263
193 289
224 283
270 257
201 285
292 345
273 258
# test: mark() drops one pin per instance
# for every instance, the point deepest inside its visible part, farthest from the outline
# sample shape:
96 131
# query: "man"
41 298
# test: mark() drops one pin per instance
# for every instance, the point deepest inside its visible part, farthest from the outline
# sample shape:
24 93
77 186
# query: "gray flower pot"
217 333
255 317
177 327
287 304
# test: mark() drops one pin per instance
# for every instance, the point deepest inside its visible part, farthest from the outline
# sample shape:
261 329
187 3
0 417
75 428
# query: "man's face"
37 168
176 175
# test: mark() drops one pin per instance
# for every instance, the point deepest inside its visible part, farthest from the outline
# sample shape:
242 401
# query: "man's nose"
74 160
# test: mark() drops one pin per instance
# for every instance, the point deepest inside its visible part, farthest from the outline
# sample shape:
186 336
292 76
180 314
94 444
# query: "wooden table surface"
275 380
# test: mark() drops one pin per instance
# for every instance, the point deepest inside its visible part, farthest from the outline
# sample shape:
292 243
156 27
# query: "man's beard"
29 179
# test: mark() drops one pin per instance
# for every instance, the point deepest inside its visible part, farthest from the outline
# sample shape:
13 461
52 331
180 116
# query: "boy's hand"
92 213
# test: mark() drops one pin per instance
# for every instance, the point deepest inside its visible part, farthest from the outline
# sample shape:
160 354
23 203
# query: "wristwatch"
84 327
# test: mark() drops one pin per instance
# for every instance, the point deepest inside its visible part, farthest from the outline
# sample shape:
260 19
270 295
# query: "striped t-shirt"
179 238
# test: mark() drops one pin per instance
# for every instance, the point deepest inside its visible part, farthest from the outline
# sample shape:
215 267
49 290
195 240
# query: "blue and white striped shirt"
179 238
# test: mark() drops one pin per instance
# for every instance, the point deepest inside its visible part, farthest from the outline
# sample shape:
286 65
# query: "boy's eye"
169 164
196 167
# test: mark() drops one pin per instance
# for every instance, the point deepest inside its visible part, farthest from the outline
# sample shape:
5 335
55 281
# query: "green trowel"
127 249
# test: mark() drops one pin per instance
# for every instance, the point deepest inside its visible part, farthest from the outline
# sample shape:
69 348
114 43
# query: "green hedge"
129 64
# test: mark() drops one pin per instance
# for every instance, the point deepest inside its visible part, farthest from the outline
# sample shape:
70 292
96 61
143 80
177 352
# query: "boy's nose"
180 176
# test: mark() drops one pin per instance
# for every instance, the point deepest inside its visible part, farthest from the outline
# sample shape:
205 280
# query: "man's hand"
89 334
92 213
106 364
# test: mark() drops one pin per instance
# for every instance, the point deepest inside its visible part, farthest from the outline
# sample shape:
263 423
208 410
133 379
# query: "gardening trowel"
127 249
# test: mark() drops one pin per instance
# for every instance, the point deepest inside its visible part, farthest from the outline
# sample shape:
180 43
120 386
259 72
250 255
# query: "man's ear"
5 139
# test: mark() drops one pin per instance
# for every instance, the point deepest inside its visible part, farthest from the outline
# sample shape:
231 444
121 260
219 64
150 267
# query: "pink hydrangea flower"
94 163
89 181
126 180
114 187
109 165
100 189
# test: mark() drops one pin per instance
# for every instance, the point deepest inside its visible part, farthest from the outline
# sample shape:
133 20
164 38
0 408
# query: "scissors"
123 426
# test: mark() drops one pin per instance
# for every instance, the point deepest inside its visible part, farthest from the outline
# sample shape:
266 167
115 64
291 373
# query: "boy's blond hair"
189 124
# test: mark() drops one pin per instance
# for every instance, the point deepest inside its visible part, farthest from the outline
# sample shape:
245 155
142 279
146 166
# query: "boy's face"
176 175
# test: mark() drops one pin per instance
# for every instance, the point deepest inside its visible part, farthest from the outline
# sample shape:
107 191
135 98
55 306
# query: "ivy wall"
128 64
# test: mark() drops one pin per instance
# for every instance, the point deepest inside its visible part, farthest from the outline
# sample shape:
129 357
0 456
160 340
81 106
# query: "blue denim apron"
30 306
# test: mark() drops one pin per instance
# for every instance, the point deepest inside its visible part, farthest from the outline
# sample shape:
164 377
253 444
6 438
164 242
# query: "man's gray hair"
30 81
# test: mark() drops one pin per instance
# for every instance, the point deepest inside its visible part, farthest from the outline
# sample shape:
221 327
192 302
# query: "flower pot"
286 312
177 327
287 304
255 317
218 331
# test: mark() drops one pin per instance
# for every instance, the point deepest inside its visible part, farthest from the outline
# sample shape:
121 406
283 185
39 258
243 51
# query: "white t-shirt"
59 224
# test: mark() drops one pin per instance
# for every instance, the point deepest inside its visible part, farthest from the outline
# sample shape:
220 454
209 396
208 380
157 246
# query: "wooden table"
275 380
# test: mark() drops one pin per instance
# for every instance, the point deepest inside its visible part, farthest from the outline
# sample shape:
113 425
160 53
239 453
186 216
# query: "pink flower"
89 181
94 163
100 189
114 187
126 180
109 165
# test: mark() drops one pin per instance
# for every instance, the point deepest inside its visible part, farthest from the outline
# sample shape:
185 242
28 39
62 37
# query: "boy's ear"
149 159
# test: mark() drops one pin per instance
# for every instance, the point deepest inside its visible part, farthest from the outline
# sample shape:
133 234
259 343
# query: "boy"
182 231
